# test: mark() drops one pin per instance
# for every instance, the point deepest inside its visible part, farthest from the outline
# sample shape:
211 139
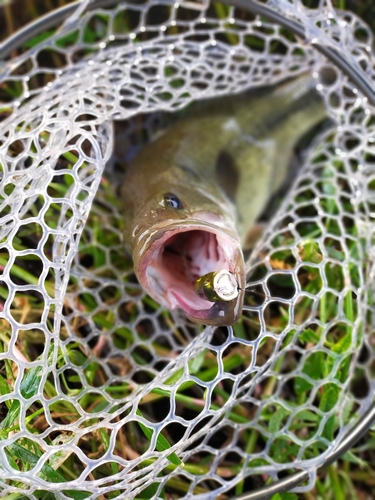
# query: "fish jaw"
168 261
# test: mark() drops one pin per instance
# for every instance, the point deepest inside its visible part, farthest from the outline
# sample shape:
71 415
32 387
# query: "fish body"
191 196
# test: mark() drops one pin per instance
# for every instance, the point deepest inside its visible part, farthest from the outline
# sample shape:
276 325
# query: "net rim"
288 483
355 74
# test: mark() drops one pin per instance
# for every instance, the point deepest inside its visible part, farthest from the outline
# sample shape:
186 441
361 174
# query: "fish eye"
171 200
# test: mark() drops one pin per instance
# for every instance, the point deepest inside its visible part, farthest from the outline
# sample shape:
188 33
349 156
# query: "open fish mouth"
177 257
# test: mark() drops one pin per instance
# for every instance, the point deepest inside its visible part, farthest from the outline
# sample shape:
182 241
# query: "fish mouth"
177 257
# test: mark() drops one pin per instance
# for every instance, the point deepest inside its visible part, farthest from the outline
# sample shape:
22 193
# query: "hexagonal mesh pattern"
104 394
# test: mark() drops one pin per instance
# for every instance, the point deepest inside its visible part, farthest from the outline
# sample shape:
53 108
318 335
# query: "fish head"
180 235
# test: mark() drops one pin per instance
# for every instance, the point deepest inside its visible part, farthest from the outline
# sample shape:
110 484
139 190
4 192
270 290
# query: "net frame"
368 417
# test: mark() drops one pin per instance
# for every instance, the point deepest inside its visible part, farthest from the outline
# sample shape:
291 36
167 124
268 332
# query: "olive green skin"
226 157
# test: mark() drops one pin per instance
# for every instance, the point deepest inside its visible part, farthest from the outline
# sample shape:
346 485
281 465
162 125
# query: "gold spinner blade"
217 286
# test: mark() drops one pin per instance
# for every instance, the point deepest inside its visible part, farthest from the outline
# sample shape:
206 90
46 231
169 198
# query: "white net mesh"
103 393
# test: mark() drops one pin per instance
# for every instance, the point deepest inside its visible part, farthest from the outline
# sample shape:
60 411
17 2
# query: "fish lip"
172 227
152 243
219 314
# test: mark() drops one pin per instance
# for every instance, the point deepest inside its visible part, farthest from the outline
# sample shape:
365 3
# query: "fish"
191 196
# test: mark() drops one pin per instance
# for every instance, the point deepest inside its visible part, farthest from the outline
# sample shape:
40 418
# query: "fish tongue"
187 300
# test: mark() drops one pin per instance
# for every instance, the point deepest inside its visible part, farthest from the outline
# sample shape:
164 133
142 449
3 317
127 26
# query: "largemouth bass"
191 196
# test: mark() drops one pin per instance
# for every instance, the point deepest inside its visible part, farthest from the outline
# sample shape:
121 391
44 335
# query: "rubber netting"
103 394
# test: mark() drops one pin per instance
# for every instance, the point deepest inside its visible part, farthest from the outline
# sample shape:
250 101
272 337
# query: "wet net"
103 393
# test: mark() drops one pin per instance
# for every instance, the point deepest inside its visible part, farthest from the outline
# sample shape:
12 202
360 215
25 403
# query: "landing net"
103 393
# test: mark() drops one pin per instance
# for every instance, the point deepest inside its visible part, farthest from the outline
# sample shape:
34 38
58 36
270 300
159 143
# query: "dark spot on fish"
227 174
172 201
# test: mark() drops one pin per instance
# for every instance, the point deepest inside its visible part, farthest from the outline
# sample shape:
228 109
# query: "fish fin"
227 174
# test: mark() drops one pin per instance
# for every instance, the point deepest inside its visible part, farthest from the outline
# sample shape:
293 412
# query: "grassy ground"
353 477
